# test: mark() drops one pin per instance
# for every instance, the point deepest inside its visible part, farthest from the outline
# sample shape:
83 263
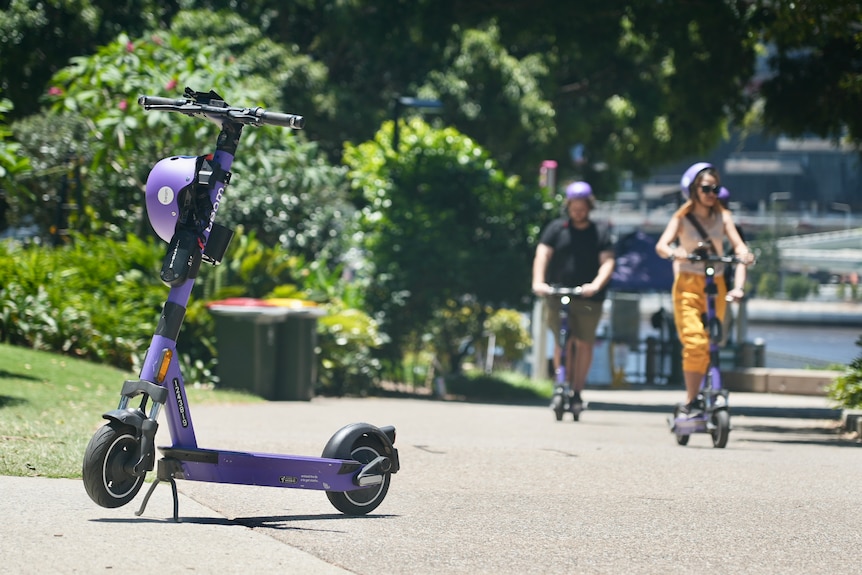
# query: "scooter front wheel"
681 439
721 431
111 454
558 407
364 449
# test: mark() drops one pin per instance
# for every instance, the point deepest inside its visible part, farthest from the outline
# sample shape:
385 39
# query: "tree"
12 165
814 80
38 38
443 227
529 80
285 190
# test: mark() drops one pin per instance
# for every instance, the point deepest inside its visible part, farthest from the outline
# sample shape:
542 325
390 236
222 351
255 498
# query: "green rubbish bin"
266 348
296 362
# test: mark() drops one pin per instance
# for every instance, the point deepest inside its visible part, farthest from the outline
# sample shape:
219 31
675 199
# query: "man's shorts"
584 316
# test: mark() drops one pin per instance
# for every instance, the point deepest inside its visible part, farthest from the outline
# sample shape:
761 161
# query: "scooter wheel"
721 420
112 452
365 449
557 406
680 438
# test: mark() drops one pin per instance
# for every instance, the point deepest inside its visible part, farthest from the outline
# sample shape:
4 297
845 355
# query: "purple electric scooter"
562 401
183 197
713 417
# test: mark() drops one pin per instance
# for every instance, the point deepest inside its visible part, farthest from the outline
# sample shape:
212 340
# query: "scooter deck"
263 469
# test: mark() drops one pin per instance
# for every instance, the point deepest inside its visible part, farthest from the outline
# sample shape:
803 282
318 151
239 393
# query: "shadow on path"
749 411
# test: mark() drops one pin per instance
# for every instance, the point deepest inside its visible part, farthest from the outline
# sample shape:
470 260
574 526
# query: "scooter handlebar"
248 116
728 259
279 119
575 291
152 101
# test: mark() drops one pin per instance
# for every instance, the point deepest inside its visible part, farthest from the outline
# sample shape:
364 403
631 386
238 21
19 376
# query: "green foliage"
846 390
510 333
38 38
798 287
454 330
58 148
99 299
483 80
767 285
284 188
347 339
817 87
95 299
123 140
499 386
764 275
442 226
251 269
12 166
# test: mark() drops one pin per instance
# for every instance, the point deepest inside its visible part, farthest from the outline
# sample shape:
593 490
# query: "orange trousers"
689 308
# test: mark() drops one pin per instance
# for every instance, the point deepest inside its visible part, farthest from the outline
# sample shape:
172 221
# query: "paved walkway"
483 489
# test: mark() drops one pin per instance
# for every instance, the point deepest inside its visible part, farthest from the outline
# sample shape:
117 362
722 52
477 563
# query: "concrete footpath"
483 489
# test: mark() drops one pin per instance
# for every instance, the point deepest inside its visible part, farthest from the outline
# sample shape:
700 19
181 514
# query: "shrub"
347 339
798 287
767 286
846 390
510 334
500 386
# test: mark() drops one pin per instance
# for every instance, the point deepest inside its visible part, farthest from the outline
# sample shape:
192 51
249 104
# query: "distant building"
811 174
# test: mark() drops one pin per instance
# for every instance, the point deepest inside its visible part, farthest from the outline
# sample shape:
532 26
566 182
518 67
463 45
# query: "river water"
792 345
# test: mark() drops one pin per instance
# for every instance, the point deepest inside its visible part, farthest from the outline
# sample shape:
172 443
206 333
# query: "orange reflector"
164 363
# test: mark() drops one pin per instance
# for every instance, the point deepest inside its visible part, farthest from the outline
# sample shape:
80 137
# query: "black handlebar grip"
284 120
146 101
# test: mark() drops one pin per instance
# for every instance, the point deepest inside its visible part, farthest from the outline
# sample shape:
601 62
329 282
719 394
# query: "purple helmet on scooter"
690 175
579 191
168 179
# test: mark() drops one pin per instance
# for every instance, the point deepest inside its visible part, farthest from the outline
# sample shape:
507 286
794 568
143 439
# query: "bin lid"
297 306
264 310
239 301
254 309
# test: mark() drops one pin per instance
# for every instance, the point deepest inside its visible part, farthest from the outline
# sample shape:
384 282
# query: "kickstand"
162 475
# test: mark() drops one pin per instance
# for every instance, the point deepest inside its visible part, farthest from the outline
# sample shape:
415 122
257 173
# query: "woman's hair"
692 196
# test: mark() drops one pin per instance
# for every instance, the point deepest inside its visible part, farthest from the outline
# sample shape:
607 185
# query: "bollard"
651 358
759 349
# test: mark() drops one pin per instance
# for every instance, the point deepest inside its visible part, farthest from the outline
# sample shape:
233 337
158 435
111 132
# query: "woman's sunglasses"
709 189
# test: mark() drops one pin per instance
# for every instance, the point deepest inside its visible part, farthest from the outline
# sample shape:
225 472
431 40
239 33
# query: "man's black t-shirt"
575 260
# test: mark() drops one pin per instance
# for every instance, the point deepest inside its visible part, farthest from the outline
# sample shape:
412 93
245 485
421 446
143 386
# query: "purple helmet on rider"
579 191
690 175
168 179
723 194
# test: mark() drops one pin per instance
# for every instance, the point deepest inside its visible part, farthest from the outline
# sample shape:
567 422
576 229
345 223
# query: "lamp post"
846 209
408 102
777 197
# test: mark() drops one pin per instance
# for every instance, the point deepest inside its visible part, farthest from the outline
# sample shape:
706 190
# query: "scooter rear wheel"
112 452
365 449
721 432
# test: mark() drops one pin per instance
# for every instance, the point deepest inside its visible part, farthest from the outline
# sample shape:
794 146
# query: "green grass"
50 406
504 386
